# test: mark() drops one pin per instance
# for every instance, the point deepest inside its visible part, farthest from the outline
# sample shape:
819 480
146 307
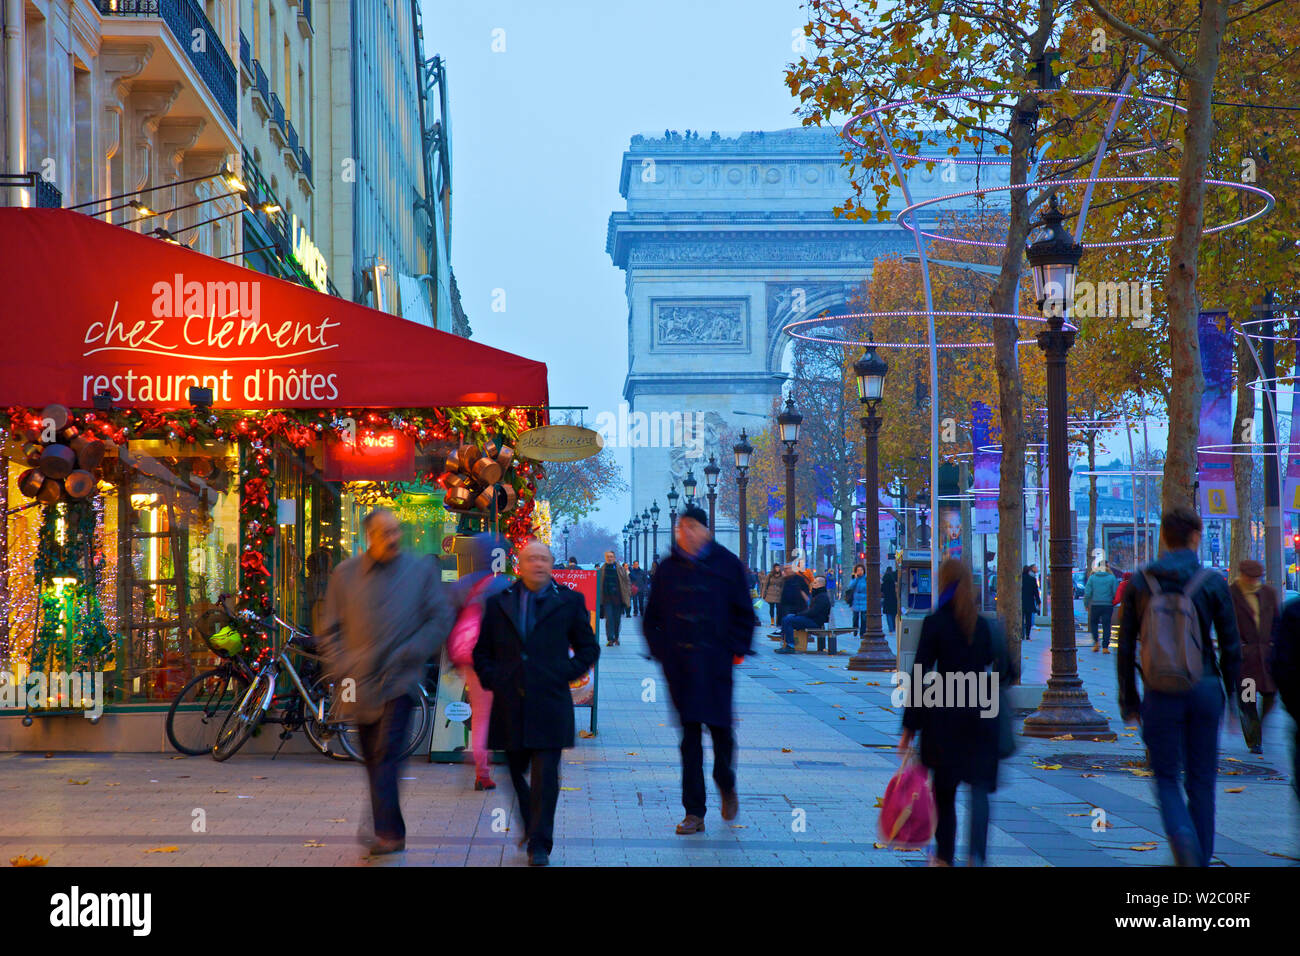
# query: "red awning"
92 307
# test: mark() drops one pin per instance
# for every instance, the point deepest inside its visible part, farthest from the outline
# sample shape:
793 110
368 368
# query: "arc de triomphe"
724 240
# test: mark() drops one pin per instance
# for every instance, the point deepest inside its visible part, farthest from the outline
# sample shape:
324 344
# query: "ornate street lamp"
635 526
645 539
743 451
688 486
788 422
625 543
1065 709
711 471
567 529
873 650
672 510
654 524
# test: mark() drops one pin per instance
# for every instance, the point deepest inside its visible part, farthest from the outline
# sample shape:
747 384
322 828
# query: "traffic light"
1295 541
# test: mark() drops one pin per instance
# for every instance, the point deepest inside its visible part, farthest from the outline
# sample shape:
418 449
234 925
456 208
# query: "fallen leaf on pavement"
1128 735
785 750
570 788
259 778
313 843
178 757
812 682
79 783
1064 737
163 849
1048 766
34 860
1233 759
1235 790
337 820
112 785
872 683
1143 847
842 717
1139 772
585 733
631 753
220 791
880 802
1088 775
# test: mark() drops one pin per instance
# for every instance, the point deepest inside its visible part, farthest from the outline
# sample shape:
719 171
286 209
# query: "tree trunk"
1243 465
1006 361
1186 380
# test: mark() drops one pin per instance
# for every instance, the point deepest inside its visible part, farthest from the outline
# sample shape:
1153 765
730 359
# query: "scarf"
1250 590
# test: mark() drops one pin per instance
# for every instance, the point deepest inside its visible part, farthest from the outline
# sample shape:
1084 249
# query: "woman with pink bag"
488 555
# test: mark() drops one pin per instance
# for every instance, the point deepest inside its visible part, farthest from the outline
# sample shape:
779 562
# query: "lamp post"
672 510
654 525
711 472
788 422
873 650
625 543
743 450
567 528
1065 708
922 516
635 526
645 539
688 486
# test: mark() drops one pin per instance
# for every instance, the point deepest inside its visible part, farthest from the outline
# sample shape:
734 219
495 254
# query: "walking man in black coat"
698 623
522 656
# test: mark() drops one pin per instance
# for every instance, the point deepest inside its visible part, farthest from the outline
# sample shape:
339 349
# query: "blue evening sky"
538 133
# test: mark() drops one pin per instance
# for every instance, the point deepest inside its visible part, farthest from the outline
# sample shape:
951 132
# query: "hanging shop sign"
308 256
559 443
147 320
381 456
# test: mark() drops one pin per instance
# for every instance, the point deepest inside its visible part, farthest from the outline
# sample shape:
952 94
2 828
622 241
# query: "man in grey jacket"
385 616
1098 598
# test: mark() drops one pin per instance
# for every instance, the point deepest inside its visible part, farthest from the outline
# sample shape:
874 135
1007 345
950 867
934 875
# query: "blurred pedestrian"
889 597
794 593
1030 598
816 616
1256 606
1098 598
386 614
523 658
487 559
855 595
613 597
772 591
698 624
959 737
1285 670
638 579
1180 721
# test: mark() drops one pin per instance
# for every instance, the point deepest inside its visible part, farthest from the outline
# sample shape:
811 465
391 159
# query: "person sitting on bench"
818 613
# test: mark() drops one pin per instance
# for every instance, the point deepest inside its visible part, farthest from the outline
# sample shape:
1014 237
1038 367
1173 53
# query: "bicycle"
199 710
307 706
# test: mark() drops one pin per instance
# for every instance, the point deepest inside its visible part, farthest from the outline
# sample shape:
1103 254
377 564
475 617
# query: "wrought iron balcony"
48 195
305 162
245 53
277 118
184 18
304 19
291 136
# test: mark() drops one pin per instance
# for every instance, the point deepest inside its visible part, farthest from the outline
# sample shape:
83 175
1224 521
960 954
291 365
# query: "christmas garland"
71 634
257 433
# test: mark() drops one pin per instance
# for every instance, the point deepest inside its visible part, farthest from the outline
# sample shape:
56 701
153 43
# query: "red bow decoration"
255 493
254 562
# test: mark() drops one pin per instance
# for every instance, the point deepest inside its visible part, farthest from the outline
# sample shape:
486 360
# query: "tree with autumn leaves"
868 53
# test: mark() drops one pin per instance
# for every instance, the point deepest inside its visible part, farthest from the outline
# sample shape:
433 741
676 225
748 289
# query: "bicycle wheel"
243 720
323 733
415 729
199 710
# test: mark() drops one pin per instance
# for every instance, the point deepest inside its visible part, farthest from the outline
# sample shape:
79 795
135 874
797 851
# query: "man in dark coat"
889 598
698 623
613 596
794 593
639 580
1256 606
522 657
1030 598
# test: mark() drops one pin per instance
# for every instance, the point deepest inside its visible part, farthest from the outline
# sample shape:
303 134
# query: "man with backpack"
1169 608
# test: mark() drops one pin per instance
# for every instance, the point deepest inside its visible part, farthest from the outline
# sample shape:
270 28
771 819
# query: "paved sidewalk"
816 748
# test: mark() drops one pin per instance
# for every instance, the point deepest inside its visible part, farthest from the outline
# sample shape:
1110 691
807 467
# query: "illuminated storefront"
179 428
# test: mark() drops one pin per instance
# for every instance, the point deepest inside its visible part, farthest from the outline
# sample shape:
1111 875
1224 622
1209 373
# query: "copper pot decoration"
487 471
57 461
90 452
30 482
458 499
51 491
507 498
79 484
505 457
56 414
